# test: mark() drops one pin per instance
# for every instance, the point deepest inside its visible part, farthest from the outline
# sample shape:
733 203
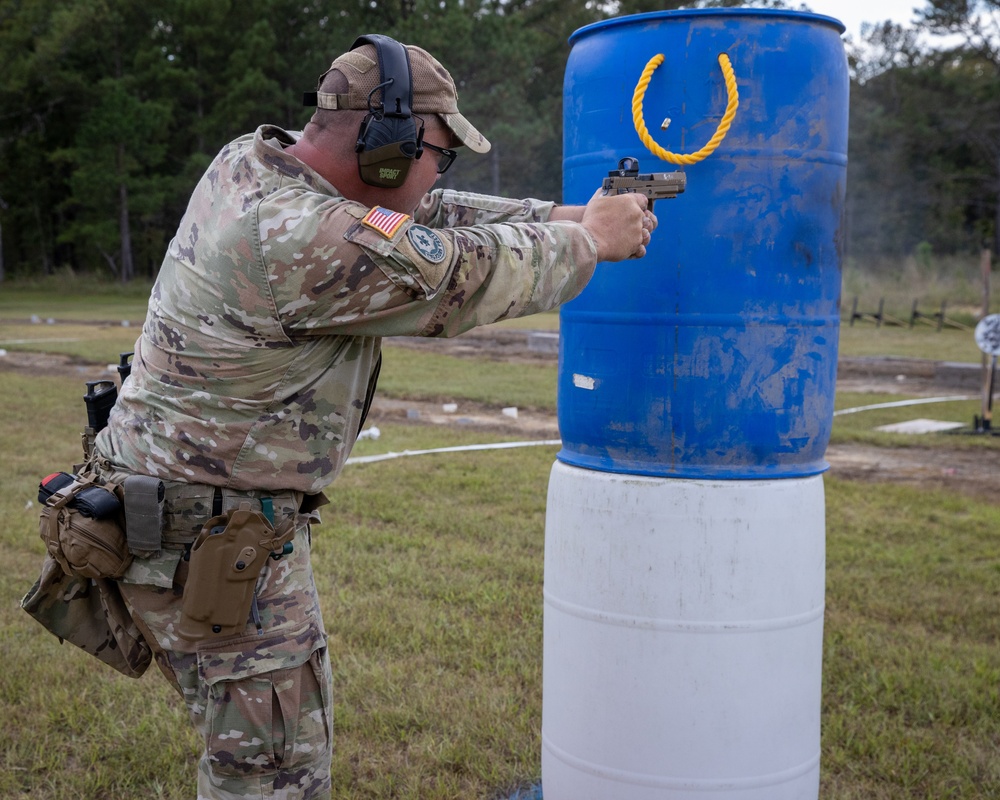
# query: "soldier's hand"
620 225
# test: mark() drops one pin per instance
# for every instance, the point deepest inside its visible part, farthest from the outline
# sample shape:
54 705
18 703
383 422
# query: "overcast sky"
853 12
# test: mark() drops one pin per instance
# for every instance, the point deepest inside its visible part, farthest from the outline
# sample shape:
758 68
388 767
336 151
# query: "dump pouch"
90 614
225 561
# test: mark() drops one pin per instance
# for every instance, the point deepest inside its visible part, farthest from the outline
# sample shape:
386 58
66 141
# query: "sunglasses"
446 157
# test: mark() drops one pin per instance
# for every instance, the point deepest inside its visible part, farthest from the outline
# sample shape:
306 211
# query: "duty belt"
170 514
188 506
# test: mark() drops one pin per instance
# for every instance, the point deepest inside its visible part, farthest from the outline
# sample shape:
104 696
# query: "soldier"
257 363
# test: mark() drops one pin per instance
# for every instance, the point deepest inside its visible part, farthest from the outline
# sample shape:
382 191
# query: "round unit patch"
427 243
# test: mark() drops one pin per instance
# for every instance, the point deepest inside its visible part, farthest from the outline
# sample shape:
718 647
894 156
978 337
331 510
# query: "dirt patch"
971 471
468 415
490 343
54 364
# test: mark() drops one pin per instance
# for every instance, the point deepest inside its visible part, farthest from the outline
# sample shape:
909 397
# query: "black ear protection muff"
389 140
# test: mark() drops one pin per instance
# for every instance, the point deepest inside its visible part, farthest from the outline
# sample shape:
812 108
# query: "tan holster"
226 560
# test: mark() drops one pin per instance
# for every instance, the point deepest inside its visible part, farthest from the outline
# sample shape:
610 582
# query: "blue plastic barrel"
716 355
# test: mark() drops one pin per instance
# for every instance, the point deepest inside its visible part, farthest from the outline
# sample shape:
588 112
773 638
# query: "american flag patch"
384 221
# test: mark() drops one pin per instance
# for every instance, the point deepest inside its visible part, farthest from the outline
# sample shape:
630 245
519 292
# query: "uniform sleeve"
330 272
444 208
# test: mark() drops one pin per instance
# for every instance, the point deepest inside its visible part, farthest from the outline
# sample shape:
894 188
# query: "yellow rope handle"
720 132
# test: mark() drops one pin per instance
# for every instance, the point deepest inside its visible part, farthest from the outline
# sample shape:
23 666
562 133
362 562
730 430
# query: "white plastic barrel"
683 635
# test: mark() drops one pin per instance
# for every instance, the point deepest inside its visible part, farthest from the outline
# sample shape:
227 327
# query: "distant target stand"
988 340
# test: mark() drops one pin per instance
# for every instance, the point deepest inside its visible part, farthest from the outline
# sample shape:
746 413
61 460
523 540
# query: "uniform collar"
269 145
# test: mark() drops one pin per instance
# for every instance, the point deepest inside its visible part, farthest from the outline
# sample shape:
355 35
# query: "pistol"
655 185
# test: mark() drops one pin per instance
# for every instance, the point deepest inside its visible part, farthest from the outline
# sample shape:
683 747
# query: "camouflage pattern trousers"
262 700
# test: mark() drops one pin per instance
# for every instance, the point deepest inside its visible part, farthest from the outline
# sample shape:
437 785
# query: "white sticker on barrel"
584 382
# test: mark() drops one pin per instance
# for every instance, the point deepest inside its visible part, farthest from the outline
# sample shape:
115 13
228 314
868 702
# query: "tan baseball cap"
434 90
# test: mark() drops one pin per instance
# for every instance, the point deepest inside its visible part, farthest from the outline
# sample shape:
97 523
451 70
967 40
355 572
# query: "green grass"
860 427
65 732
950 344
77 304
83 342
911 660
438 377
930 280
437 650
431 376
67 297
430 573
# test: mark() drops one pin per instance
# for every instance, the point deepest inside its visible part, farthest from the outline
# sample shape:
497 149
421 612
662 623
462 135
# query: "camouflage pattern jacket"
265 324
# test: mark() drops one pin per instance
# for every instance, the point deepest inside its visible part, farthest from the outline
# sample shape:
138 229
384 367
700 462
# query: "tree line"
110 110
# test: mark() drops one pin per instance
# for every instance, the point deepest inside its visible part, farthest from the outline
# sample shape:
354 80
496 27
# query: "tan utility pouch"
226 560
83 545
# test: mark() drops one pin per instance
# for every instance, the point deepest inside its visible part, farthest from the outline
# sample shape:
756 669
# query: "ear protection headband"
388 140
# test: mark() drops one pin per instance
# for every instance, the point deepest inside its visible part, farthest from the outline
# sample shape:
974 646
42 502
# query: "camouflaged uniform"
255 360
